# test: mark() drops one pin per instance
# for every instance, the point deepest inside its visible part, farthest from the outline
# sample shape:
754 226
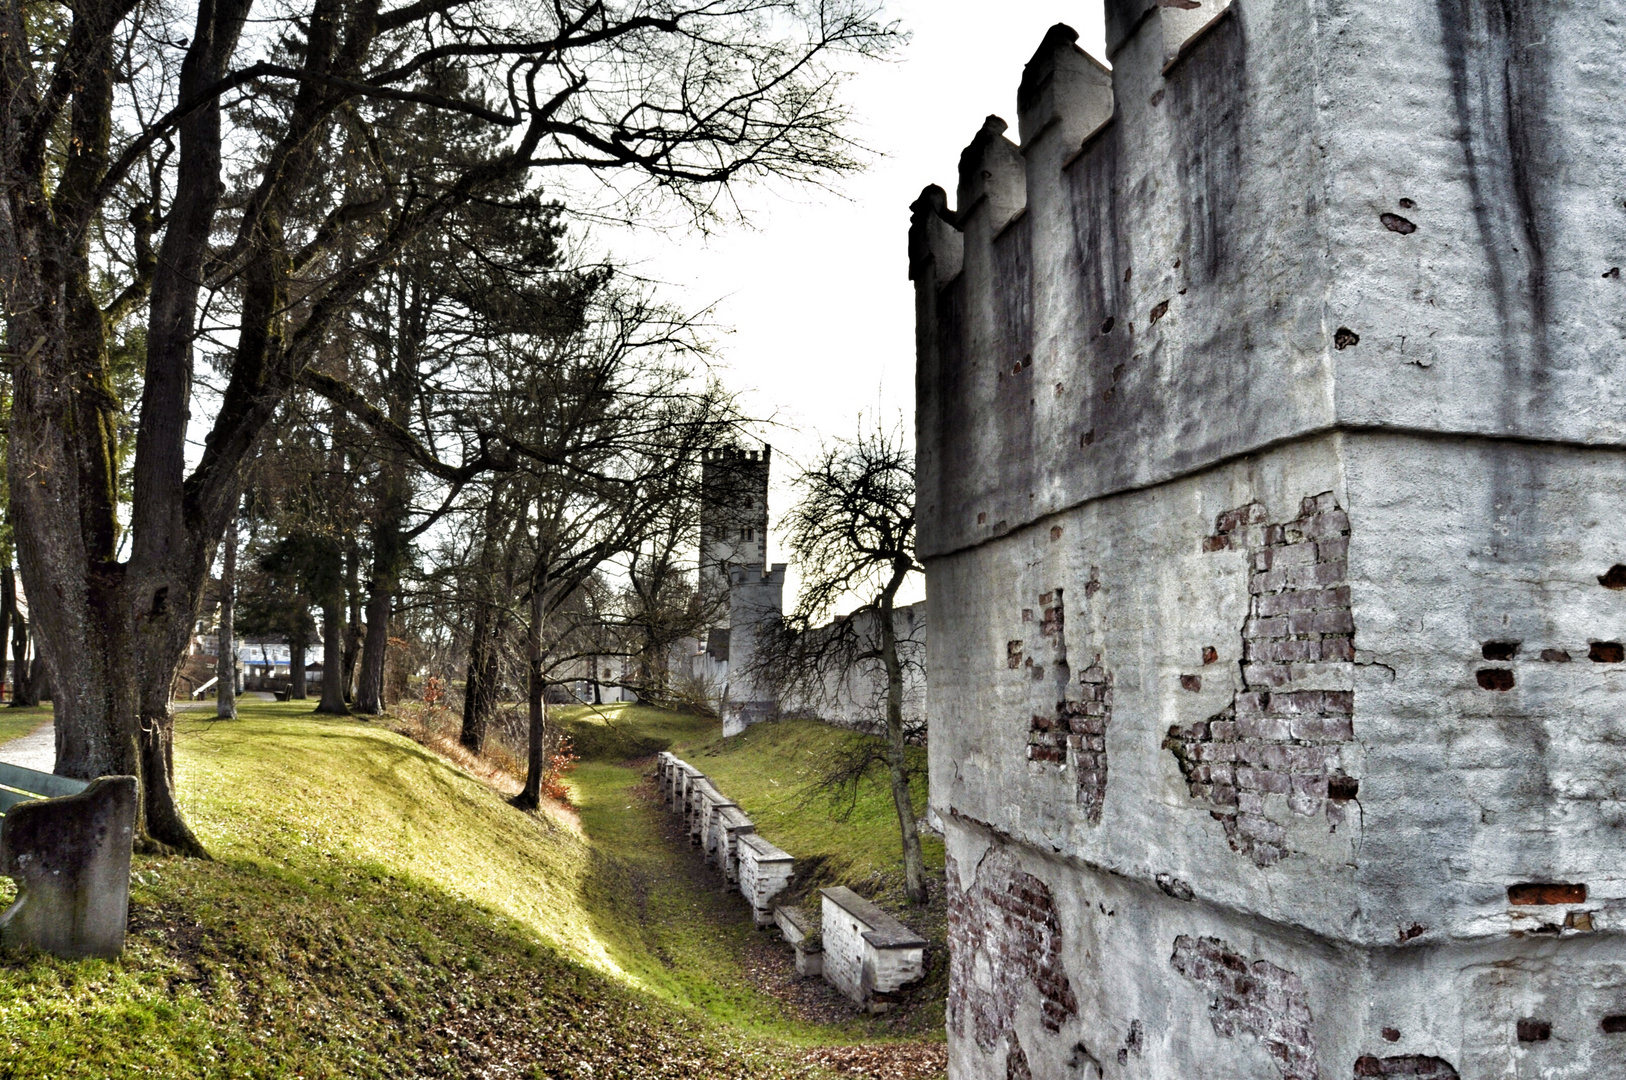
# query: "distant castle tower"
733 519
738 589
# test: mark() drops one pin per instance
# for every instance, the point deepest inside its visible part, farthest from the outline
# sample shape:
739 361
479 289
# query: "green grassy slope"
768 770
15 723
372 911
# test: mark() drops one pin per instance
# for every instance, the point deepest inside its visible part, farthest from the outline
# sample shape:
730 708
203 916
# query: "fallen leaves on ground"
883 1061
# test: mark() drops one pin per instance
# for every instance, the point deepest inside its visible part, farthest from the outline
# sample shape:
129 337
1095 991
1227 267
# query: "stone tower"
1272 480
733 520
756 595
737 587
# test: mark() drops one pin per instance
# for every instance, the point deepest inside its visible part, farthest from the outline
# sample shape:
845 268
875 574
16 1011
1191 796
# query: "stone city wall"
1272 459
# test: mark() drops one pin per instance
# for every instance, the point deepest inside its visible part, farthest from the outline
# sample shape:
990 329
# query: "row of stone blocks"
858 948
720 827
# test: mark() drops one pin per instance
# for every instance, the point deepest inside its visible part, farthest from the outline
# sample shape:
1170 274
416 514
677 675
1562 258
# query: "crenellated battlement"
1173 24
1126 290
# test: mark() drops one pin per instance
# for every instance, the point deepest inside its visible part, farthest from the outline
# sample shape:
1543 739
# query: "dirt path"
769 964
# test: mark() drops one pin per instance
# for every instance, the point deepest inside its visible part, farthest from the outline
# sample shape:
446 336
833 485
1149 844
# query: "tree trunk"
537 757
8 611
26 687
352 630
914 861
480 688
296 668
332 649
370 687
226 639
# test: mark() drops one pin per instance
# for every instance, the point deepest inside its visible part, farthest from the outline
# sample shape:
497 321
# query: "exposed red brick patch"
1299 631
1409 1065
1532 892
1606 652
1255 998
1006 923
1068 719
1016 1065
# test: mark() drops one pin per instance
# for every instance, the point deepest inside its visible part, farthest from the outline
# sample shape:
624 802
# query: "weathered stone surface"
803 930
868 955
70 857
1286 359
764 872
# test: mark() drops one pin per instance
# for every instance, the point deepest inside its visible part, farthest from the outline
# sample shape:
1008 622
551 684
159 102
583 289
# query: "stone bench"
67 845
663 774
712 839
868 955
684 777
730 824
764 872
701 794
801 929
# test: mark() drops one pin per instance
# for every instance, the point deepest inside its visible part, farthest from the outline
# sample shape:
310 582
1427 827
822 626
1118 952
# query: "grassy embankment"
372 911
769 771
15 723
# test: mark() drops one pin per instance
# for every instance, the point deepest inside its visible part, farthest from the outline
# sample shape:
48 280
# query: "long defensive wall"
1272 481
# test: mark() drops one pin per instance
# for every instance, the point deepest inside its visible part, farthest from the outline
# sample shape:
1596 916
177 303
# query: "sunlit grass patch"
371 911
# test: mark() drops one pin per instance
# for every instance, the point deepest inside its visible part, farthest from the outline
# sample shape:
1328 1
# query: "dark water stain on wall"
1499 86
1207 105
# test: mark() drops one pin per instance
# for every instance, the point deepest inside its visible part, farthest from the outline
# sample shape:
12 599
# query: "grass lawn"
373 911
15 723
768 770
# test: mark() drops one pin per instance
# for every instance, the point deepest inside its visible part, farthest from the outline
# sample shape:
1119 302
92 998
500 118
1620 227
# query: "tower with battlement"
1271 408
733 519
738 589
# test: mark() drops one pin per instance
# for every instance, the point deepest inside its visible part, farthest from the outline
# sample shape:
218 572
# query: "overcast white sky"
815 296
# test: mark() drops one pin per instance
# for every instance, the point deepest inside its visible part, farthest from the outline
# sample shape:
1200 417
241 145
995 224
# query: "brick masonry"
1067 720
1016 1065
1006 925
1282 734
1412 1066
1253 998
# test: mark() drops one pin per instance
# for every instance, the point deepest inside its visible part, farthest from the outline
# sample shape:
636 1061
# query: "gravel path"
36 750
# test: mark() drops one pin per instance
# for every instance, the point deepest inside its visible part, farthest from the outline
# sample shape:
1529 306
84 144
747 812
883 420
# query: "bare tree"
226 633
606 429
852 537
118 125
